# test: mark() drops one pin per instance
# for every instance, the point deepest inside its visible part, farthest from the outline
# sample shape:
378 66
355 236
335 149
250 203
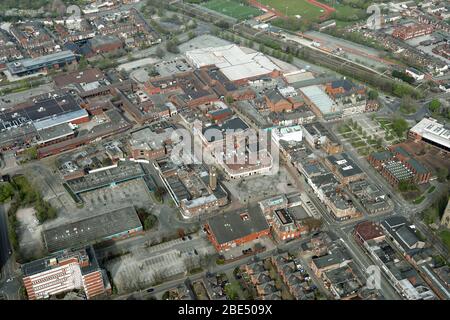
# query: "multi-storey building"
62 272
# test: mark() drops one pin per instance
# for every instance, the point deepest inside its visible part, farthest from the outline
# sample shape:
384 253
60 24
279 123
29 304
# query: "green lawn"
233 8
431 189
419 200
295 7
445 236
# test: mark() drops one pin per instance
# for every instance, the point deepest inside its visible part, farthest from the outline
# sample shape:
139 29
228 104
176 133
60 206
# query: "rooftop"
320 99
39 62
344 164
234 63
236 225
434 131
92 229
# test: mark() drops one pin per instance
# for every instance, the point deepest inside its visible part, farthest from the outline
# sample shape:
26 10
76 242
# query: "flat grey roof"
32 63
125 171
55 132
232 226
92 229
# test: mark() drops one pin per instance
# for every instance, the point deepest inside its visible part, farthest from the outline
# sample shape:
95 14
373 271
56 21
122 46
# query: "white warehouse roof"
233 61
320 99
431 129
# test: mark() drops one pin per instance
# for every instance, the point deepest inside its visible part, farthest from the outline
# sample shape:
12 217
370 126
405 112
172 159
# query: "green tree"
229 99
373 95
434 105
399 126
6 191
83 63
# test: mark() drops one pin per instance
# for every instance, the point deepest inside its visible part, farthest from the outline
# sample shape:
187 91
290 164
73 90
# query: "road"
9 281
344 231
5 246
143 294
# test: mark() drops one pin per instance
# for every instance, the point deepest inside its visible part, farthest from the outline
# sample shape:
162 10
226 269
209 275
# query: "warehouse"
432 132
118 224
106 177
30 66
233 62
321 103
41 120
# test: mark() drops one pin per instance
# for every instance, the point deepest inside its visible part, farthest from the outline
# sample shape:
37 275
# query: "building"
412 31
233 62
88 83
320 103
105 177
344 168
29 66
317 136
47 119
105 44
65 271
117 224
368 230
115 123
233 229
398 165
431 132
149 144
416 74
284 226
350 97
399 231
278 102
289 134
343 282
190 188
336 258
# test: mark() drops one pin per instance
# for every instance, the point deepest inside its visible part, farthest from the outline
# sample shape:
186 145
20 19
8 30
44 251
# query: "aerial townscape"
224 150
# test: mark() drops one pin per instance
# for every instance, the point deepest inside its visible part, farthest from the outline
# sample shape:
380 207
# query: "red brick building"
236 228
368 230
414 31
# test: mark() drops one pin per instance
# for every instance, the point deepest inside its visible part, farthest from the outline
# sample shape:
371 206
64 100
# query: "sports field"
233 8
295 7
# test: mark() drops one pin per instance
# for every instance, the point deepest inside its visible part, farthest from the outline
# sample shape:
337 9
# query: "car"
10 279
184 238
189 237
150 290
195 251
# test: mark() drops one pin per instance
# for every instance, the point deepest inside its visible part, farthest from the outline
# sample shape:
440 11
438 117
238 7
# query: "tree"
408 105
434 105
399 126
6 191
171 46
229 99
83 63
107 162
442 174
159 193
159 52
373 95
